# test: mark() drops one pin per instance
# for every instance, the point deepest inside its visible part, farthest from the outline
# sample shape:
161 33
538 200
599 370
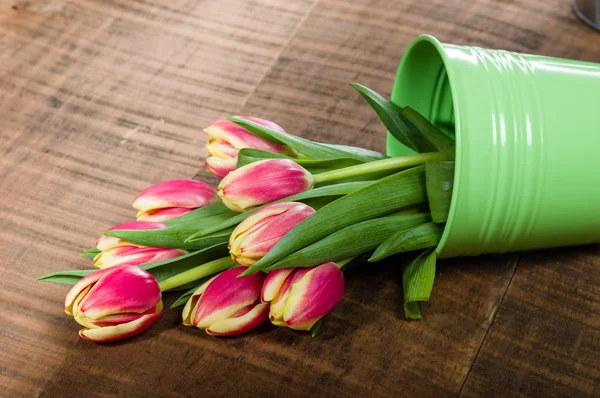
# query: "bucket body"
527 132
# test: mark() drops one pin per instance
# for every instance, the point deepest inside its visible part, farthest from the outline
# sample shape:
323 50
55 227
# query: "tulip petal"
225 296
273 283
131 255
263 182
221 149
175 193
119 332
220 167
190 307
74 296
241 323
238 137
313 296
121 289
168 213
278 304
110 242
249 243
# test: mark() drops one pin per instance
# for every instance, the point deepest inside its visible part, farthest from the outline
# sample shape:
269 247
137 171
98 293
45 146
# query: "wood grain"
99 99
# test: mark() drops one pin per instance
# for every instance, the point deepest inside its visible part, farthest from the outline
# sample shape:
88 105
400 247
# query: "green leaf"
358 151
316 327
69 277
92 250
387 195
91 256
440 141
162 270
440 181
389 114
248 155
416 238
331 190
183 299
173 237
417 279
309 148
351 241
204 215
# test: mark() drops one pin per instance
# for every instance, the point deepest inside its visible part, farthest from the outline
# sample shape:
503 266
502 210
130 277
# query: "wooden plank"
545 339
98 100
366 347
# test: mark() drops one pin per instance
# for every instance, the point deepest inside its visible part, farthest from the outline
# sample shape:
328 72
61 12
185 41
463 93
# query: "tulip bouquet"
272 241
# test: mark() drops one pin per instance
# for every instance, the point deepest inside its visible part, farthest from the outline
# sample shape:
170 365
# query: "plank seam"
518 261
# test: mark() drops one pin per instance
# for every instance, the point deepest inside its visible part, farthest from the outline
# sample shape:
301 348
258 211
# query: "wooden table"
99 99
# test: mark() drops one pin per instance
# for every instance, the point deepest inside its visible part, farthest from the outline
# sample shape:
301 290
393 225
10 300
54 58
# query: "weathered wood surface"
99 99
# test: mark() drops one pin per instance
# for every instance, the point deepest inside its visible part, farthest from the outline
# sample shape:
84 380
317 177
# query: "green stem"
342 263
201 271
401 162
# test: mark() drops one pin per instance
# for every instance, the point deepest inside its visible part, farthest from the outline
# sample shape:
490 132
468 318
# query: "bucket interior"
422 83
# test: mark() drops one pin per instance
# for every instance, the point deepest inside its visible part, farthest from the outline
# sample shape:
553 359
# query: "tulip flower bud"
186 194
299 297
114 303
258 233
110 242
263 182
133 255
227 305
227 138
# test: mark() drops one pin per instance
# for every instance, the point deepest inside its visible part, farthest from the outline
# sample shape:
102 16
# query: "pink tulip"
263 182
110 242
187 194
227 138
133 255
165 214
114 303
299 297
227 305
258 233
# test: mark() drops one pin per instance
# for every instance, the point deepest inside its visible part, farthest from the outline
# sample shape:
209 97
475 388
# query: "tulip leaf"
351 241
204 215
162 270
91 256
416 238
439 180
92 250
316 327
248 155
70 277
440 141
382 197
331 190
417 280
172 237
397 125
358 151
313 150
183 299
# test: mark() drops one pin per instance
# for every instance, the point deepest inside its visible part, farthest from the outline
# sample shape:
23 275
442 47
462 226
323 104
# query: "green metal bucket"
527 144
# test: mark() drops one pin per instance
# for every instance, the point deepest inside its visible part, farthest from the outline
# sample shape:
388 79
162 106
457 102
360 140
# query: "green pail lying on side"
527 144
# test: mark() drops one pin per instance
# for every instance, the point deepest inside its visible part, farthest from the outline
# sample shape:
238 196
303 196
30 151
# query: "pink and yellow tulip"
114 303
299 297
227 305
173 198
133 255
227 138
263 182
110 242
258 233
